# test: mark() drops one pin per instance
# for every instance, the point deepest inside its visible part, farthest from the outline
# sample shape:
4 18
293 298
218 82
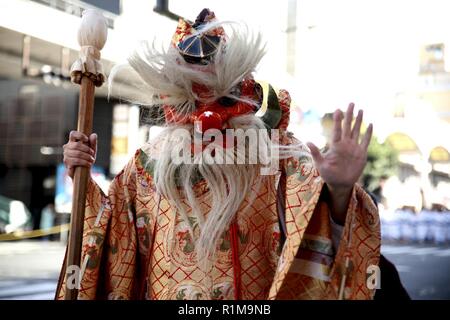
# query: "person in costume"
205 229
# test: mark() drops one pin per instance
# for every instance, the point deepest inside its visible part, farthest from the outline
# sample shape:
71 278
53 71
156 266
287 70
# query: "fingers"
367 136
77 136
79 146
77 162
93 143
337 131
79 151
357 126
347 127
345 130
315 152
71 153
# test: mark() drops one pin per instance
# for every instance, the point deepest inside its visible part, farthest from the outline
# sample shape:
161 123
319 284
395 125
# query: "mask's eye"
196 60
226 101
229 102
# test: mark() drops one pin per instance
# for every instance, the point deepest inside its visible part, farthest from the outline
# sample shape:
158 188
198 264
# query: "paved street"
30 269
424 270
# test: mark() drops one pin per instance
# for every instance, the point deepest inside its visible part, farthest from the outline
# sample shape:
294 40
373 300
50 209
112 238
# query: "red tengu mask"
199 49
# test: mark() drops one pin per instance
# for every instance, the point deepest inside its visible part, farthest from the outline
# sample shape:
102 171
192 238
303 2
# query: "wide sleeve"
358 254
310 267
109 247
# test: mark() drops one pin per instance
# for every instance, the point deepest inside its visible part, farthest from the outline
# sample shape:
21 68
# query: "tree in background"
382 162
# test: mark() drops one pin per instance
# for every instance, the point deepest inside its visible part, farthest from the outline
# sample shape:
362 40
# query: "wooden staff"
86 71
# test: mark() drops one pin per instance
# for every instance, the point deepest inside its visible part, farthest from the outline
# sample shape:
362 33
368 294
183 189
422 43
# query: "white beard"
228 184
162 77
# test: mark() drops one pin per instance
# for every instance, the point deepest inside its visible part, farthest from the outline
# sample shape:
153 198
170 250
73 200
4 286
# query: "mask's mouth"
222 133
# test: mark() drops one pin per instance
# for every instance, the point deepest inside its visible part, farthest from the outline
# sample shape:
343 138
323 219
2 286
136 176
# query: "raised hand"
343 163
79 151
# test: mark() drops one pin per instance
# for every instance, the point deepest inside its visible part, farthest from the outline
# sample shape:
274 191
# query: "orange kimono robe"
136 246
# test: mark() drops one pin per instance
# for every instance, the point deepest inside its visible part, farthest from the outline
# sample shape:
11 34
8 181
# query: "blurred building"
419 128
313 51
39 105
392 58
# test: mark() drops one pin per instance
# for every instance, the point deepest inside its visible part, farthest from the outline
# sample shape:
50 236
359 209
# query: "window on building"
432 58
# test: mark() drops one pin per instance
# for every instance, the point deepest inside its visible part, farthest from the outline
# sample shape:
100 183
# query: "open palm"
342 164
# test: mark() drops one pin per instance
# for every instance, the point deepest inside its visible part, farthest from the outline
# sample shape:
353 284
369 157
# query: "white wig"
163 77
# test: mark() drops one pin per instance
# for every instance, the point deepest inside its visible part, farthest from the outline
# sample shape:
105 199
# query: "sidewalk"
29 269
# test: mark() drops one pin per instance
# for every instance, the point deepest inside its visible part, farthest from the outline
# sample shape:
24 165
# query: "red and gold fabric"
136 246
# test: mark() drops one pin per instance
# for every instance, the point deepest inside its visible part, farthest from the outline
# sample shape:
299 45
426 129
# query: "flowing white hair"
163 77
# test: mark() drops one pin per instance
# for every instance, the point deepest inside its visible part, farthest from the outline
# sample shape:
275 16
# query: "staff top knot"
92 36
93 30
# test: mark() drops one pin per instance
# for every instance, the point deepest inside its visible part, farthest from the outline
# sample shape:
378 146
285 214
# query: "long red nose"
208 120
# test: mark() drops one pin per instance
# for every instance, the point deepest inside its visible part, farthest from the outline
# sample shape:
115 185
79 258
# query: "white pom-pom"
93 30
92 36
